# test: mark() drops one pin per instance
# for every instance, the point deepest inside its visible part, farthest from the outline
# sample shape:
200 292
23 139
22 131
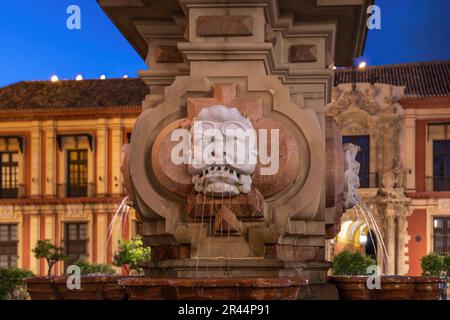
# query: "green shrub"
348 264
131 254
12 284
432 265
446 264
51 253
87 268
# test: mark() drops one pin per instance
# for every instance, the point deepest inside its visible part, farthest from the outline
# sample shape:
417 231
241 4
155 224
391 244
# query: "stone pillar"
409 143
390 241
50 159
402 240
102 227
35 158
116 152
34 237
101 180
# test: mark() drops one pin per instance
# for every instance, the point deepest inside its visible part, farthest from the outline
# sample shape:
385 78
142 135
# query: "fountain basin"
92 287
214 288
428 288
392 288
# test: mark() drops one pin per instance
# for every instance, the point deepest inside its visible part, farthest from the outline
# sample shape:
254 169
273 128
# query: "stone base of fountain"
214 288
236 268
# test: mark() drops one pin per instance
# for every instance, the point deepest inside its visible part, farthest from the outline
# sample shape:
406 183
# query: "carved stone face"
223 152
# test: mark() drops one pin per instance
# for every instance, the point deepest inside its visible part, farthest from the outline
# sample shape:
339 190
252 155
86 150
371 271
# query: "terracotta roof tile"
68 94
423 79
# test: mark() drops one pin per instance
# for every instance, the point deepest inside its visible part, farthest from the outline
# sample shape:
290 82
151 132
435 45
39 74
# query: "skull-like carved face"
223 152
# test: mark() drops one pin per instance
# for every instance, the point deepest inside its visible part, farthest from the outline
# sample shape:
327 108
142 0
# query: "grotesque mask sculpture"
223 152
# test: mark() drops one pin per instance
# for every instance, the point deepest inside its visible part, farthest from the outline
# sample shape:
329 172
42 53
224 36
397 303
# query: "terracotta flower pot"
96 287
42 288
392 288
213 288
427 288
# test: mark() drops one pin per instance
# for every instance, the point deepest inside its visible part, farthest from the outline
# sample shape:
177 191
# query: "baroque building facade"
398 115
60 149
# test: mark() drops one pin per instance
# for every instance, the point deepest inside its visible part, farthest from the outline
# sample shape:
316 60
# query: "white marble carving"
351 175
216 168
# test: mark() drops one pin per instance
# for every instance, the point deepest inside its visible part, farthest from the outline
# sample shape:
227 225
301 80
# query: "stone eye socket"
213 139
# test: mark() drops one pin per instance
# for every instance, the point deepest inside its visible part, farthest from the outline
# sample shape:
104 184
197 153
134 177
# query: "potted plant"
446 263
351 277
131 254
12 284
91 269
432 285
97 282
43 288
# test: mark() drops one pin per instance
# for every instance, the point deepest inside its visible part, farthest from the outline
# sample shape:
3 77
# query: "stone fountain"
249 221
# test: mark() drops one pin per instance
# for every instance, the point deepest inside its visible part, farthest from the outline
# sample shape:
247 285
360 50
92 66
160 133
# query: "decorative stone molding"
168 54
7 212
75 211
443 204
373 109
302 53
220 26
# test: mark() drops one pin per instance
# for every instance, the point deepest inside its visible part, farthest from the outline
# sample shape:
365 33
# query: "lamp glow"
79 77
362 65
102 77
54 78
363 239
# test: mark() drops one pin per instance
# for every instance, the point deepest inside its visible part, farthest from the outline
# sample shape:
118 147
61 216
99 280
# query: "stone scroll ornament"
351 175
214 183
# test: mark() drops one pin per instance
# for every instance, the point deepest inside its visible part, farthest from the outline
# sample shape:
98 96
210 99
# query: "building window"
8 245
366 179
77 167
441 165
441 235
8 174
75 242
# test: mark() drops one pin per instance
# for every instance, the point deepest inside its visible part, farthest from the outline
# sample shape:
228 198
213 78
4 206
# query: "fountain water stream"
122 212
363 211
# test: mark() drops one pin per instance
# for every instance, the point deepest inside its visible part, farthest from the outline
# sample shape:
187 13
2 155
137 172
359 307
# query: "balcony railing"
68 191
368 180
13 193
437 183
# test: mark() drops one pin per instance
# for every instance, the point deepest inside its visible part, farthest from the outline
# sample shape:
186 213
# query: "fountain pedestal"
236 64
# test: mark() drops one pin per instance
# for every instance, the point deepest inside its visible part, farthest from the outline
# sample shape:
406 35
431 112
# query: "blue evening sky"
37 43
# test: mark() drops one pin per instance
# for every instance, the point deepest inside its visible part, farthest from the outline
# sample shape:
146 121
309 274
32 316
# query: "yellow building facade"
60 179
